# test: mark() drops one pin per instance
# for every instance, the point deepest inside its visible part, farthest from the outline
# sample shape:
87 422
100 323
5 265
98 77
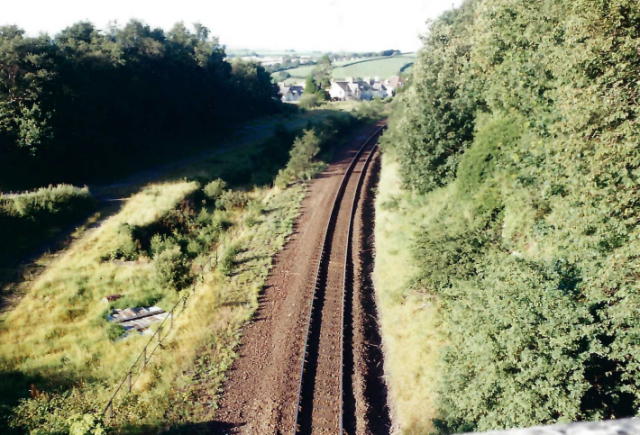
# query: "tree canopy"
521 127
89 101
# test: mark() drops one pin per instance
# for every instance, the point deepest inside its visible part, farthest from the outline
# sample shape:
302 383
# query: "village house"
366 89
291 93
392 84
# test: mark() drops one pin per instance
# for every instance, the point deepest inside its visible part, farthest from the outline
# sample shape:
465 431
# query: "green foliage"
301 164
214 189
87 424
160 243
29 218
310 86
438 120
128 246
115 330
172 269
232 200
310 100
521 125
322 73
72 105
370 110
227 260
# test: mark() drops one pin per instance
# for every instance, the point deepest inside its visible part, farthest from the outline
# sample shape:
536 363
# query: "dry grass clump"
408 318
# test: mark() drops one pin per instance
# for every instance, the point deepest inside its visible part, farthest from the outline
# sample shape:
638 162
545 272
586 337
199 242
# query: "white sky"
325 25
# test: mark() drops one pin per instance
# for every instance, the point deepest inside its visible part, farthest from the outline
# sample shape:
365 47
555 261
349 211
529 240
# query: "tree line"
88 102
521 128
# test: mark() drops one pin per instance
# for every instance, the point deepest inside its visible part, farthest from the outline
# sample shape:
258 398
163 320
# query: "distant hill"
382 66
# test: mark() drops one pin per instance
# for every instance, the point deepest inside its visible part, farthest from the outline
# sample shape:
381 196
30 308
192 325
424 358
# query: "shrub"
87 424
226 263
525 139
232 200
214 189
300 164
160 243
309 101
30 218
172 269
370 110
46 202
128 246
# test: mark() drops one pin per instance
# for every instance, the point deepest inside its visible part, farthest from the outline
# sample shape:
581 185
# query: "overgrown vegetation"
59 356
88 104
30 218
520 130
408 317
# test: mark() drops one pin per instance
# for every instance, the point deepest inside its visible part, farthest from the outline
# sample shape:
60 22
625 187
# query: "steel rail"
334 213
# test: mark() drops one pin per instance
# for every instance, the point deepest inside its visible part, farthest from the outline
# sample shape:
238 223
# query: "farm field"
383 67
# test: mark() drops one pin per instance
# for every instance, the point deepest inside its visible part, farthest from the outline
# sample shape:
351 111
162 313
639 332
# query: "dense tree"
322 73
522 124
89 102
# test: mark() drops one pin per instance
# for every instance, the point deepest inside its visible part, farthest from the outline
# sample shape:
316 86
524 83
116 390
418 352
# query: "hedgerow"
31 217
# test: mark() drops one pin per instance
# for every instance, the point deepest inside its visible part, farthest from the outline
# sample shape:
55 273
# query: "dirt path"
261 389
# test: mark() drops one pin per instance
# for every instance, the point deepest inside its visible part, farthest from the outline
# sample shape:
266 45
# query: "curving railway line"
320 408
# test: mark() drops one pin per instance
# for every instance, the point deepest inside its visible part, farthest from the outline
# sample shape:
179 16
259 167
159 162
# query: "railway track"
320 402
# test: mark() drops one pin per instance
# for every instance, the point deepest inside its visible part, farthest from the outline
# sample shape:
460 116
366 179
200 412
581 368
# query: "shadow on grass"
16 386
204 428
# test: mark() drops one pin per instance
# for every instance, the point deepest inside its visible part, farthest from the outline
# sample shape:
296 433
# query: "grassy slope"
57 337
407 318
383 67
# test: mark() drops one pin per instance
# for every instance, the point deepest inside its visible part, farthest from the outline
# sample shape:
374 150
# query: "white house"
290 93
393 83
357 90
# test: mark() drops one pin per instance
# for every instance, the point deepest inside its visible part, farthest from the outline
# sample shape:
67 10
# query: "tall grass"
408 318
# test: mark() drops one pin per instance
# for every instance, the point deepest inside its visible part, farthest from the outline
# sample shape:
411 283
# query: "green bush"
160 243
309 101
370 110
215 189
87 424
49 203
172 269
301 165
226 262
232 200
128 246
31 218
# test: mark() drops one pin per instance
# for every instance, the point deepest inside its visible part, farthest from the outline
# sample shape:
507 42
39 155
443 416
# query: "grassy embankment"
36 220
408 318
60 358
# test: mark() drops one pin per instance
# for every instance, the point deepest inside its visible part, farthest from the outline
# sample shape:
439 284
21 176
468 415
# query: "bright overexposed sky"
325 25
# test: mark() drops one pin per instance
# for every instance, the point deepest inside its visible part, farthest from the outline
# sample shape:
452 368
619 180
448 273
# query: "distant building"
350 89
290 94
393 83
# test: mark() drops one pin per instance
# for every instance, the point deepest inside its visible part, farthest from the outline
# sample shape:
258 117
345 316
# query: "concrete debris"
138 319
